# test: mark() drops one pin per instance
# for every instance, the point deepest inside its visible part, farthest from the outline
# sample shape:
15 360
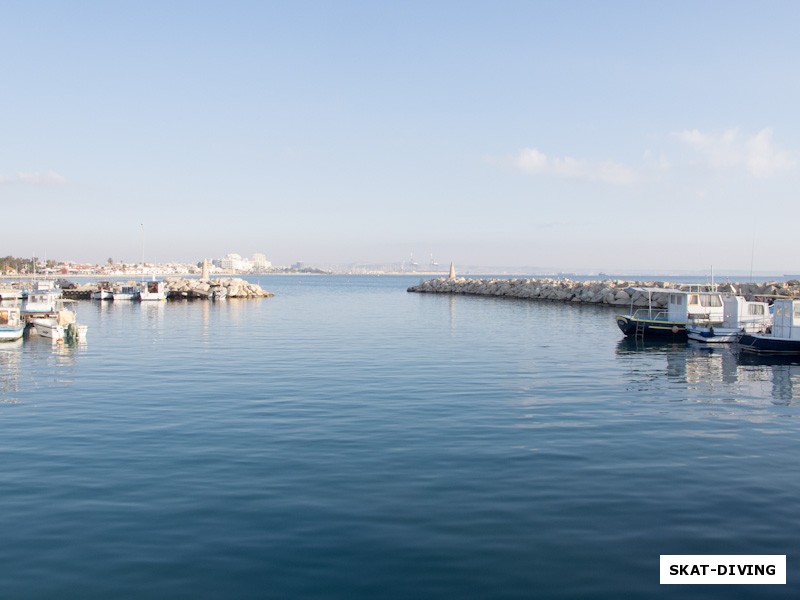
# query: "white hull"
712 335
102 295
48 328
124 296
153 291
149 297
9 334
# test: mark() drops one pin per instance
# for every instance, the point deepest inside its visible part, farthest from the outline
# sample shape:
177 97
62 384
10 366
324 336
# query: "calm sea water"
347 439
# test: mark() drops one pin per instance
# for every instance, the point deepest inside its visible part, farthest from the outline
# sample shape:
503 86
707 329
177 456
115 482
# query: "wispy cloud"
757 154
48 178
532 160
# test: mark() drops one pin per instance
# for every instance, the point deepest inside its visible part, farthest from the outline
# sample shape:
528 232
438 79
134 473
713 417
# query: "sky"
623 137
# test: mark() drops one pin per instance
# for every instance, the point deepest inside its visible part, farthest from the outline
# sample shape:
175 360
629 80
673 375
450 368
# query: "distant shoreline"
719 279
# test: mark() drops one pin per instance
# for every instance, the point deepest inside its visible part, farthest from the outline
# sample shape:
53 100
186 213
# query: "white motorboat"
48 327
153 291
127 292
739 316
103 291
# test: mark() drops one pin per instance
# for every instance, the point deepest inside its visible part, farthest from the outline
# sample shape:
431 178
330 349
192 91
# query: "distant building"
232 262
260 262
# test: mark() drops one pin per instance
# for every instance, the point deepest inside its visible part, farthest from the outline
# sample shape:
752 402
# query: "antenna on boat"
142 226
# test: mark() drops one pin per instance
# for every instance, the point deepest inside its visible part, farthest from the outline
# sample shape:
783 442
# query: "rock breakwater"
182 287
204 288
612 292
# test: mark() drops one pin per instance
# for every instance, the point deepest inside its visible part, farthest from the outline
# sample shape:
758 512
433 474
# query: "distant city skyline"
620 137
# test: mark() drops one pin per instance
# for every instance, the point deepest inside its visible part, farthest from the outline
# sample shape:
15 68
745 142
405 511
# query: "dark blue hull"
650 327
766 344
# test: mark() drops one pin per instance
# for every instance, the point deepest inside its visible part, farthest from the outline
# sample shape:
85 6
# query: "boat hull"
102 295
152 297
651 327
48 328
9 334
713 335
766 344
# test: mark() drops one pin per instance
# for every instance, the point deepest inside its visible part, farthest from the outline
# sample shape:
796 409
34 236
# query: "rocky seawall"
612 292
181 287
196 288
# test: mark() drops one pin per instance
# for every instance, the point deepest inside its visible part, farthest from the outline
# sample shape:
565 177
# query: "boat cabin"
745 314
43 298
786 319
684 306
695 306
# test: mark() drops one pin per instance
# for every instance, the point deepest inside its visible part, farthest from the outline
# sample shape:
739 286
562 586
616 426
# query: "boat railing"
657 314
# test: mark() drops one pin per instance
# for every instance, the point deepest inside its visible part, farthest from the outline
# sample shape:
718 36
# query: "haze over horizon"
620 137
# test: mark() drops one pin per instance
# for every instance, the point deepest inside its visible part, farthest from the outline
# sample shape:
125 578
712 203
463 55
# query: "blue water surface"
347 439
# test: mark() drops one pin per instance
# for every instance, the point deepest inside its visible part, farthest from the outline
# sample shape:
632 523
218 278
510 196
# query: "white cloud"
48 178
532 160
757 154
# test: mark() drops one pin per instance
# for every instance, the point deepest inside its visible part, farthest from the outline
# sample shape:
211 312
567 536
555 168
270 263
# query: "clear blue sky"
615 136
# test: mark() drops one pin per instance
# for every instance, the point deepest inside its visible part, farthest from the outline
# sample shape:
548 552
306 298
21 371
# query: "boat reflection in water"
713 374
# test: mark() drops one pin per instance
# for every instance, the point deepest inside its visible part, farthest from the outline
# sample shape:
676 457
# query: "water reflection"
714 372
10 361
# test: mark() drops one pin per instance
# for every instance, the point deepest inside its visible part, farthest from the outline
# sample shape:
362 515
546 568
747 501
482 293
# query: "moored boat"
103 291
739 316
784 335
153 291
697 304
127 292
48 327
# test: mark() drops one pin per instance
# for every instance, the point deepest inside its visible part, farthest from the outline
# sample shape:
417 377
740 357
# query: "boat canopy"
698 302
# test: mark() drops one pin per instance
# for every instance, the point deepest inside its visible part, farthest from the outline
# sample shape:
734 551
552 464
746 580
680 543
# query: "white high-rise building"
233 262
260 262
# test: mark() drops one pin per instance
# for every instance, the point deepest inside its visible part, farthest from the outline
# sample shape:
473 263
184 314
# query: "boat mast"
142 226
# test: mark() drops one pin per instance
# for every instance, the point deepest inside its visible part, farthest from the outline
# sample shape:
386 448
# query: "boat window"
710 300
693 299
3 317
797 311
755 309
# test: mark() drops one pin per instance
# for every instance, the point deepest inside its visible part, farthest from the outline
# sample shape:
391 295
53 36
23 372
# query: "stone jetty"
181 287
203 288
612 292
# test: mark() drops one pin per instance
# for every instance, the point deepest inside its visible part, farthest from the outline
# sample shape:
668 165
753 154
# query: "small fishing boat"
784 335
103 291
127 292
696 304
739 316
12 326
153 291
